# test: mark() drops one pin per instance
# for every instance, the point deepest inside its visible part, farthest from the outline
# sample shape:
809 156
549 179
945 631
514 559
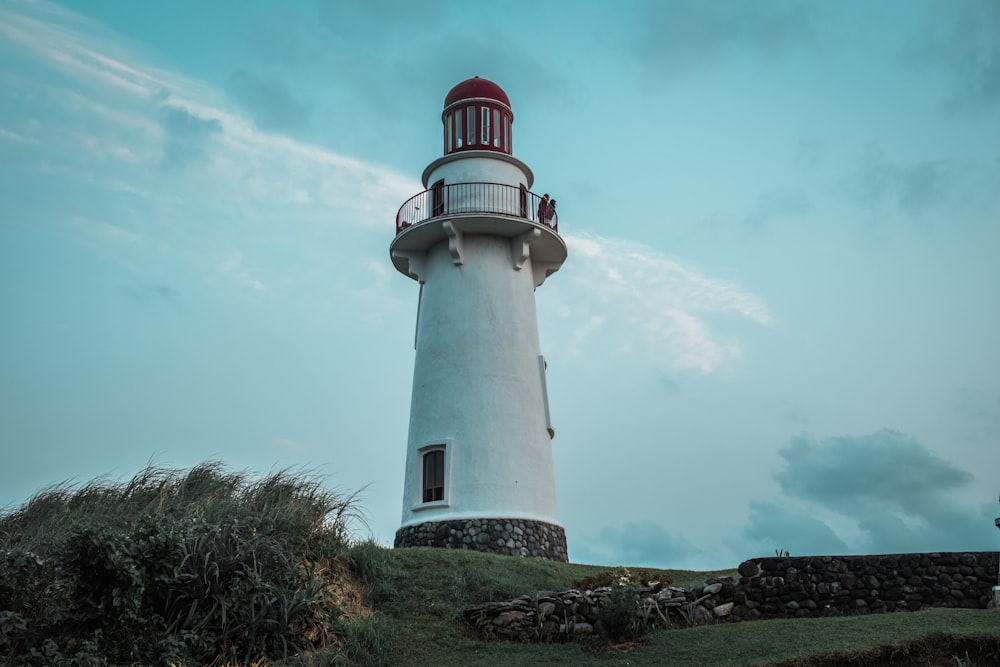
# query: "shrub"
618 615
197 567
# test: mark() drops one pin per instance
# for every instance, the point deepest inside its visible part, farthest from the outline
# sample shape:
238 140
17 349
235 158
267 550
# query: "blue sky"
777 327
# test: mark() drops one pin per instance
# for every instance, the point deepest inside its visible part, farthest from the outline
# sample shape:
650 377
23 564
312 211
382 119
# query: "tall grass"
189 567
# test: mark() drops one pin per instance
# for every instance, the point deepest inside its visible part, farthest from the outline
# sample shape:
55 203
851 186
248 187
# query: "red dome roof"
476 87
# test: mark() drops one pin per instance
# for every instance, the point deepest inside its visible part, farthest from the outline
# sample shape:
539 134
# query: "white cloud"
232 267
666 310
289 445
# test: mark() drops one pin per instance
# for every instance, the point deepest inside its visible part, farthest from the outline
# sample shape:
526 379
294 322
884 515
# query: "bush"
618 617
194 568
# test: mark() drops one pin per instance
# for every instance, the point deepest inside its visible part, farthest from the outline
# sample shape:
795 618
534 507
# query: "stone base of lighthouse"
510 537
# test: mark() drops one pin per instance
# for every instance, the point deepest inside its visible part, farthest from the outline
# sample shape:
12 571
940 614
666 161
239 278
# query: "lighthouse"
479 242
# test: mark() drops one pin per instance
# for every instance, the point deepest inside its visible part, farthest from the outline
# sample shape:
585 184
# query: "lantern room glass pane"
472 125
448 133
496 128
484 128
458 129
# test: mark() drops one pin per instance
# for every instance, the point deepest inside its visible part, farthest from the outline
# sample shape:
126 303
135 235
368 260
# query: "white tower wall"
479 387
478 167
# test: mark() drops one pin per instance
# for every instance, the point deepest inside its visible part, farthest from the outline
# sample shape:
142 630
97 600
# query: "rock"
508 617
723 610
711 589
700 615
749 568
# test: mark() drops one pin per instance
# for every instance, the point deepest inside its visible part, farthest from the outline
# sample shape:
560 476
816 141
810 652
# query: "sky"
777 327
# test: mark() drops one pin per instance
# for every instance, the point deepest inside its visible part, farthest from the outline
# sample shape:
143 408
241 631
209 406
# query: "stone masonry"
510 537
770 587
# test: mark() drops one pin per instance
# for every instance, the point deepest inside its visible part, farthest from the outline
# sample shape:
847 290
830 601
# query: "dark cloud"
795 413
812 152
796 532
669 384
148 293
677 35
887 468
187 136
894 490
644 544
911 189
269 101
962 38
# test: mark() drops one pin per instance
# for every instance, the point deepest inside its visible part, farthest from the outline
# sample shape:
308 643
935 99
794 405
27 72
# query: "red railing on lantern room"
473 198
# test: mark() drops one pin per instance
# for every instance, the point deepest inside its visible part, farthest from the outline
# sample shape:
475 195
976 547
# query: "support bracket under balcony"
456 241
416 263
520 247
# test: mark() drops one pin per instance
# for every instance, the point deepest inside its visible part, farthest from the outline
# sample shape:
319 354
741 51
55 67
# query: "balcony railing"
459 198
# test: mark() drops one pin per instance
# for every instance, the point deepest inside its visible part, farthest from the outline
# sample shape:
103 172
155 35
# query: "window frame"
484 125
432 475
417 475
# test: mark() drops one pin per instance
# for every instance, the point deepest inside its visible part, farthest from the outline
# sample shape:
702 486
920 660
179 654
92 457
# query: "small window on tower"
458 129
433 475
471 117
506 133
448 145
496 128
484 130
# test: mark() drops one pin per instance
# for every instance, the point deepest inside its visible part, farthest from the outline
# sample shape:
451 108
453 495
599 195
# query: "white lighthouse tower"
479 457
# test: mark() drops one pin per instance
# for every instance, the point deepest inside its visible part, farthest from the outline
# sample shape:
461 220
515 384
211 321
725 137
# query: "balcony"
472 199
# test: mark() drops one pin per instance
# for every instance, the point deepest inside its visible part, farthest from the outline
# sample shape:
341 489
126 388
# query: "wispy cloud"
233 267
160 168
663 308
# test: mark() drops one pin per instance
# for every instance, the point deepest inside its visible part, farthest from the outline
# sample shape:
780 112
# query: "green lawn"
420 594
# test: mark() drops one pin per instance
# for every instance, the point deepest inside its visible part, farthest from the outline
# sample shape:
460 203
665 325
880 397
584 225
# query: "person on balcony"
550 212
543 207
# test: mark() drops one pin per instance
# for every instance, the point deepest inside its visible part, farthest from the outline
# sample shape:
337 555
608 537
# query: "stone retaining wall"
778 587
772 587
510 537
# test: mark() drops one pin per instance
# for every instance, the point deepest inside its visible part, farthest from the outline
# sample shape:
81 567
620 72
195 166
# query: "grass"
211 567
422 593
187 567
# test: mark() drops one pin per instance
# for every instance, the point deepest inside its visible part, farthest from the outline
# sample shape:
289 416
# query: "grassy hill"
207 567
419 595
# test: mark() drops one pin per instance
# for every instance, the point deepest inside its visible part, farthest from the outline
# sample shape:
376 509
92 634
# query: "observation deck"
450 212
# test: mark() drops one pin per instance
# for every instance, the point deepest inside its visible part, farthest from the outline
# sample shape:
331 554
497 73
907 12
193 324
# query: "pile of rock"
578 613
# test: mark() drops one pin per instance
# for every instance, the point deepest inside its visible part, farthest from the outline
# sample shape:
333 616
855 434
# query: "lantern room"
477 117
